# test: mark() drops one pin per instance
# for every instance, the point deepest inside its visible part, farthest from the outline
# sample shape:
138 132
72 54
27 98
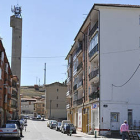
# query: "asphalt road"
38 130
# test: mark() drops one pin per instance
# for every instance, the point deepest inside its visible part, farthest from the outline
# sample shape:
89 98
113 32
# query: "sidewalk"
81 134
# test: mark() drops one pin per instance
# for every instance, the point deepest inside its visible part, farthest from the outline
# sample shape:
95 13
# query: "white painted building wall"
119 58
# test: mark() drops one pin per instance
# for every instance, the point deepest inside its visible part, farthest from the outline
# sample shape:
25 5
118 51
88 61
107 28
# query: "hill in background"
30 91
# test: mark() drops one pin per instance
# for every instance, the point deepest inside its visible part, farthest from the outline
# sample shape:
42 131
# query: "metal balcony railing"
14 96
67 106
94 95
93 74
80 101
93 51
68 79
79 49
75 87
93 29
13 106
79 66
80 83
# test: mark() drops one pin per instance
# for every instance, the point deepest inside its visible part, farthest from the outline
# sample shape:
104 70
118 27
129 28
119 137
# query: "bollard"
95 134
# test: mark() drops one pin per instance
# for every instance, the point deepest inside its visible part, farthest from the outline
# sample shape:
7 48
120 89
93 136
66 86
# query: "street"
38 130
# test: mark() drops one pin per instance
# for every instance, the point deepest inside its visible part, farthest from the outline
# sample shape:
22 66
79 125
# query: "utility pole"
50 108
45 74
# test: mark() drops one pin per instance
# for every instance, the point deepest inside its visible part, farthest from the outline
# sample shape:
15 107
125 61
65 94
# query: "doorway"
115 120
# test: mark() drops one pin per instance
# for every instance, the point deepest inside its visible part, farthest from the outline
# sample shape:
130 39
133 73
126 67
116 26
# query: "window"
57 105
57 90
57 97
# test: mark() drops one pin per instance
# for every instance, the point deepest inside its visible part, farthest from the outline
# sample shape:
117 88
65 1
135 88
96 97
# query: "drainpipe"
99 68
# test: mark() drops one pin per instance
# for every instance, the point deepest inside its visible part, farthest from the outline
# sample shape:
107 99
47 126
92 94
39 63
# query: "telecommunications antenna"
17 11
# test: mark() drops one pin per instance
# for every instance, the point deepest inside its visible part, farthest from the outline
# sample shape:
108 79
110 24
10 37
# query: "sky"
48 31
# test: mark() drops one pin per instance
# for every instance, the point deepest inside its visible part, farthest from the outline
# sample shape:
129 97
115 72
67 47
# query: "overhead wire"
128 79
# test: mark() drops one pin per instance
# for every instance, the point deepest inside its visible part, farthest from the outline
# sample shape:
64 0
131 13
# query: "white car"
10 131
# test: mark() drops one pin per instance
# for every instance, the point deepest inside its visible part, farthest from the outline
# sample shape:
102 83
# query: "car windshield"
10 126
54 122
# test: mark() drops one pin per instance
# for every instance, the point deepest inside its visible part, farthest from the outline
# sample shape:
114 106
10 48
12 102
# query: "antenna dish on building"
17 11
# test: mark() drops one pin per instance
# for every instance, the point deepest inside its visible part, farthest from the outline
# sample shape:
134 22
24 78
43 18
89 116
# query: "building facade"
5 86
39 108
27 106
100 96
15 98
55 101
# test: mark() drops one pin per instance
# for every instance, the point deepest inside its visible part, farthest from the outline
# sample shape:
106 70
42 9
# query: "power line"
128 79
37 56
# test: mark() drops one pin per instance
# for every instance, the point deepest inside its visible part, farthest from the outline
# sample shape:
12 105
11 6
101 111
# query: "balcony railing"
79 49
79 66
93 29
80 101
13 106
93 74
68 80
75 103
68 93
67 106
94 95
93 51
80 83
14 96
75 87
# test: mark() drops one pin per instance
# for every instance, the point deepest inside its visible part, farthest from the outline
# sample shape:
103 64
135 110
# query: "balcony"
79 49
75 87
80 66
68 95
68 80
95 27
93 51
93 74
94 95
14 106
80 83
80 101
74 57
14 96
67 106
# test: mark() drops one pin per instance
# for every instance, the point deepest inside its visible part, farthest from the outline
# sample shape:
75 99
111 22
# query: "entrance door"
115 121
130 118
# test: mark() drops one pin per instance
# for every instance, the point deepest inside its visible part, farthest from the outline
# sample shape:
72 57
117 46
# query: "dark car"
17 122
72 128
58 126
53 124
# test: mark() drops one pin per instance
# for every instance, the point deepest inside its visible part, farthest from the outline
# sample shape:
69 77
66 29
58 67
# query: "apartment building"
15 98
5 86
27 105
101 90
55 101
39 108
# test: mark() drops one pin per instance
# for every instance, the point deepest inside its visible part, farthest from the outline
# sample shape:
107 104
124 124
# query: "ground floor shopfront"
85 117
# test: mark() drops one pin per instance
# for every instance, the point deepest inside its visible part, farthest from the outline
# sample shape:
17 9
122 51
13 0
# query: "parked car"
63 123
38 117
58 125
10 131
20 127
49 122
53 124
72 128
